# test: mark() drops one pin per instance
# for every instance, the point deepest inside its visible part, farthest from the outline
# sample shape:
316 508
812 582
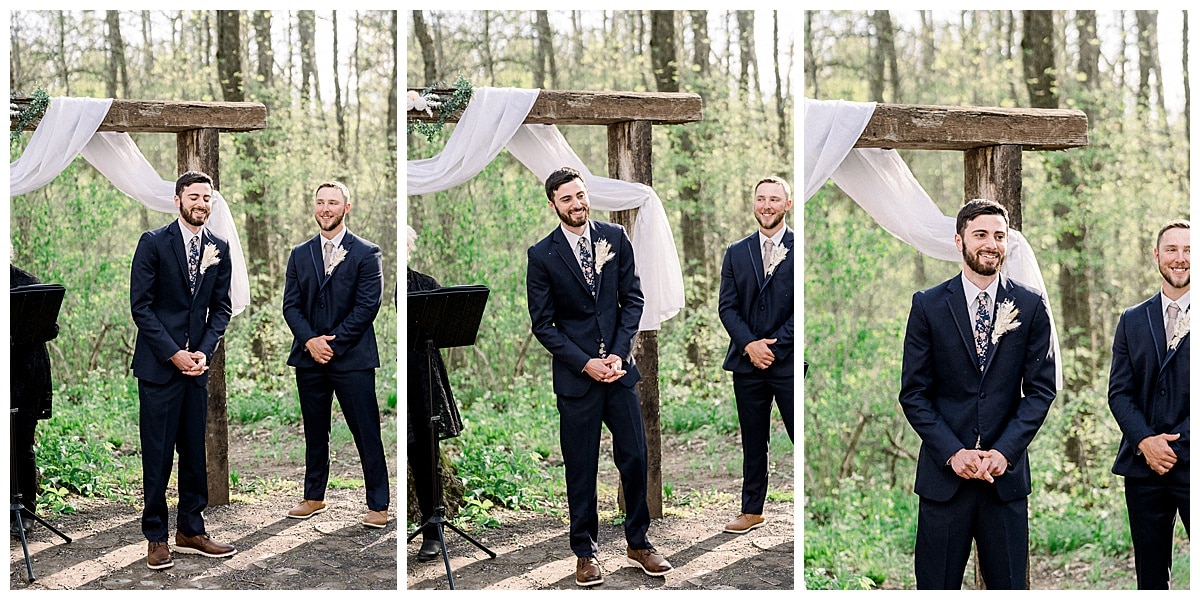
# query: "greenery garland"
427 101
23 117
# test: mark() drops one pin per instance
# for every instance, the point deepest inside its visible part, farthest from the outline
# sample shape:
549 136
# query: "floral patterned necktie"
585 263
983 323
193 262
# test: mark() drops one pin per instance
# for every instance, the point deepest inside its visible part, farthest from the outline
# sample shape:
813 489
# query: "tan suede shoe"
307 508
744 523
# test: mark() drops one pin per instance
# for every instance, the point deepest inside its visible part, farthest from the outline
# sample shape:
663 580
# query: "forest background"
329 82
739 62
1090 214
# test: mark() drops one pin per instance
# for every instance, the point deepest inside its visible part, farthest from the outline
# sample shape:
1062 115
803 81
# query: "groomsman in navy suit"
977 381
333 291
179 298
757 308
1148 394
585 301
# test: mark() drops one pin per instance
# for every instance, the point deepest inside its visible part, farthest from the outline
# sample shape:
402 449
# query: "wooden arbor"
991 140
629 117
197 126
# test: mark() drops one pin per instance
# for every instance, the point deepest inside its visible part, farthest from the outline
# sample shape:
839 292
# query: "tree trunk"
810 57
489 66
1187 85
61 54
546 49
339 108
426 42
117 82
745 23
309 84
784 141
1146 50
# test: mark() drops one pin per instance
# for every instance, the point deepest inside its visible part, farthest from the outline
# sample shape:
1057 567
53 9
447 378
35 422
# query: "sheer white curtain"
880 182
68 129
493 121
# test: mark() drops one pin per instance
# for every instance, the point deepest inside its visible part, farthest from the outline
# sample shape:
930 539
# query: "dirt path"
533 552
328 551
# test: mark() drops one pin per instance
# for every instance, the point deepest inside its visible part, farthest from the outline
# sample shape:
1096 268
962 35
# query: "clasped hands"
605 370
192 364
318 348
760 352
979 464
1158 453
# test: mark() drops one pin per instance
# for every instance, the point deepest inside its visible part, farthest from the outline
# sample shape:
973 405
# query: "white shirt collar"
187 235
971 292
573 238
1184 302
337 239
777 239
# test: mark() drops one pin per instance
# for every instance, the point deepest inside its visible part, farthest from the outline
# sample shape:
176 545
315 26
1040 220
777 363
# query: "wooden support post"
199 150
994 172
630 159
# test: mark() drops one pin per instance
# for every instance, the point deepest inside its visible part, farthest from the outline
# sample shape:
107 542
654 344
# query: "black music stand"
443 318
33 314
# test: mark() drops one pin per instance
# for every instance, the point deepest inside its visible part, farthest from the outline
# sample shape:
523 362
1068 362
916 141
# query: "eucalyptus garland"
426 101
23 117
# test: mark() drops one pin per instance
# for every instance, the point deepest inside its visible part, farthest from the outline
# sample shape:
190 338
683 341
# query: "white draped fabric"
68 129
494 120
880 182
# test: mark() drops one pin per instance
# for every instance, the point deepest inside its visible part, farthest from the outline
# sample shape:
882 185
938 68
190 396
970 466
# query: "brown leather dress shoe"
158 556
203 545
651 562
307 508
587 572
744 523
376 518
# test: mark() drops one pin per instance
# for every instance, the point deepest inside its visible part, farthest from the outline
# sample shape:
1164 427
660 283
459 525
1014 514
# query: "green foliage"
38 104
451 106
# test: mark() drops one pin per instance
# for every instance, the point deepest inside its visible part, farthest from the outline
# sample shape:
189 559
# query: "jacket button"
983 394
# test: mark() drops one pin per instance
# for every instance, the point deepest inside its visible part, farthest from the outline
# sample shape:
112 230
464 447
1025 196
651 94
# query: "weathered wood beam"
199 150
994 172
564 107
154 116
630 159
910 126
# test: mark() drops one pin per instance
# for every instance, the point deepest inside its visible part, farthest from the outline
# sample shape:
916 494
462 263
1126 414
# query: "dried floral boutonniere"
1182 327
603 254
211 257
779 253
338 255
1006 320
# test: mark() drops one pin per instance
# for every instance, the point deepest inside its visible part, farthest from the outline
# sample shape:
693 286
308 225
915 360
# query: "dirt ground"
332 551
532 551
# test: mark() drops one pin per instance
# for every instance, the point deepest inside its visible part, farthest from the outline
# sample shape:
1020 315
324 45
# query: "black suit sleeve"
1123 388
629 298
541 314
220 307
728 305
142 294
293 302
368 297
917 375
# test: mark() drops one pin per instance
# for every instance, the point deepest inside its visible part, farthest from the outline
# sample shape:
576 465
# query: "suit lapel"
175 239
318 260
763 277
755 251
956 304
596 268
567 254
1155 324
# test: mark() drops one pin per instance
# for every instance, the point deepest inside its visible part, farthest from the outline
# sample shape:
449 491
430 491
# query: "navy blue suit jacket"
754 307
1148 390
343 304
569 321
951 404
170 318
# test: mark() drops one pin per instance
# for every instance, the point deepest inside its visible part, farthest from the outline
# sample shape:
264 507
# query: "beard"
972 260
1173 280
191 218
769 222
573 221
333 224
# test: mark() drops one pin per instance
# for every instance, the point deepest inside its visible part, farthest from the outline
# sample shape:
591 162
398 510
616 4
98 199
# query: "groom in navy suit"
757 308
1148 393
179 298
333 290
977 381
585 301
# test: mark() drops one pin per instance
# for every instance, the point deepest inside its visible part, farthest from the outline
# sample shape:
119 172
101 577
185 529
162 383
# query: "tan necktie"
1172 319
328 255
768 250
